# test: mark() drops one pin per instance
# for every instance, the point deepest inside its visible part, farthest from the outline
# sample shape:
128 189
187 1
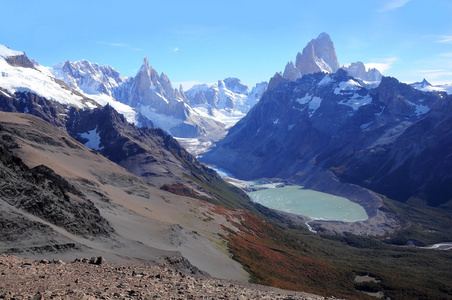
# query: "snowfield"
18 79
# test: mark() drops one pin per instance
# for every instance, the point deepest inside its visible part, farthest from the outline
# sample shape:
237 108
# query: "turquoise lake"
313 204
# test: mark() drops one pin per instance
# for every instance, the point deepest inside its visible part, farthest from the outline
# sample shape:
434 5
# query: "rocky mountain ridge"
227 95
182 114
330 123
319 55
146 99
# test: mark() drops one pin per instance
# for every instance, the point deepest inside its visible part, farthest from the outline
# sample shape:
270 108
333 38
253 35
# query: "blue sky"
204 41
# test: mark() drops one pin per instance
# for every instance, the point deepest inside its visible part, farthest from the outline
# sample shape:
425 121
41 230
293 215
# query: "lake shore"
379 222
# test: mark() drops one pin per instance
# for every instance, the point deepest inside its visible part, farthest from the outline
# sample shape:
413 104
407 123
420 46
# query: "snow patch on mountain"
420 109
305 99
93 139
5 94
160 120
347 87
327 79
366 125
314 104
129 113
323 66
356 101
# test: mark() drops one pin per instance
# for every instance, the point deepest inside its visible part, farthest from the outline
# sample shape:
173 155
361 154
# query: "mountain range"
393 138
200 112
87 170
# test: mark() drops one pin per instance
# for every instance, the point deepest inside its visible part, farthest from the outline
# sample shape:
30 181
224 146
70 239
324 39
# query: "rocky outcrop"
358 70
236 86
19 61
41 192
26 102
291 72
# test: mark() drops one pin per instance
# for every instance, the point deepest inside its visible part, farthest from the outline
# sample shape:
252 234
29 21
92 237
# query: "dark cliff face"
392 139
19 61
43 193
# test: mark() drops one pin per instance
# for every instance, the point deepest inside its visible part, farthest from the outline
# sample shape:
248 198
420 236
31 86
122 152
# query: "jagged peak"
324 35
232 80
221 84
149 70
65 63
425 82
420 85
145 65
235 85
291 72
359 70
275 81
164 77
319 55
145 62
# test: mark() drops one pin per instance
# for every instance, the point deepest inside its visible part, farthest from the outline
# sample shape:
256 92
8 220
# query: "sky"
203 41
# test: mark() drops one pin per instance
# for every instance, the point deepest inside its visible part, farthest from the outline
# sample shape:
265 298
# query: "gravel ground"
97 279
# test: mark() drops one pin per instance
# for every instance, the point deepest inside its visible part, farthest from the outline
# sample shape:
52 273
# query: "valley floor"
82 280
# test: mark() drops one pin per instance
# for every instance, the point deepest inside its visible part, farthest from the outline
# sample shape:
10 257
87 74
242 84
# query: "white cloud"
446 39
436 74
383 65
175 50
393 4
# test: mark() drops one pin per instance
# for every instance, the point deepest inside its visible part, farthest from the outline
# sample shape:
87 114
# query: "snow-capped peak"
7 52
426 86
145 65
24 76
420 85
229 95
